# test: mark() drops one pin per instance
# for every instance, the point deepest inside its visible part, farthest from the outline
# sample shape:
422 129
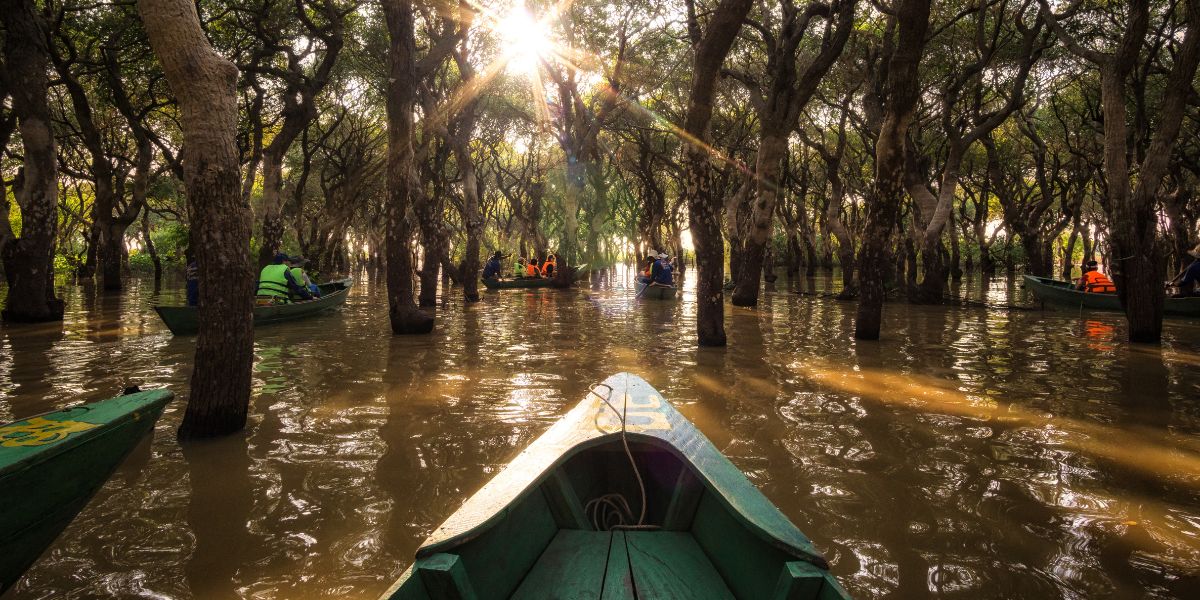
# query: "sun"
525 41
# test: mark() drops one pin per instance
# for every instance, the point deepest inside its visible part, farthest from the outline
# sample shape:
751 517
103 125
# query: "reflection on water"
973 452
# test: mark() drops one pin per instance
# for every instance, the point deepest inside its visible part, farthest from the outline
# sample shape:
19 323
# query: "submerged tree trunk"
403 313
710 49
29 259
204 83
901 91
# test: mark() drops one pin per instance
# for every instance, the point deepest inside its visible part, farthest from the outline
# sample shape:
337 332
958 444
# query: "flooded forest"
868 298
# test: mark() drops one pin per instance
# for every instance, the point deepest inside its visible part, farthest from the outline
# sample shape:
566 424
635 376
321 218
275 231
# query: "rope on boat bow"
612 511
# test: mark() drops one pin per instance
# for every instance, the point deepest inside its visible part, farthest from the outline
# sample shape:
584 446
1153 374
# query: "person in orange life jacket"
1189 277
647 268
1094 281
549 265
531 268
660 271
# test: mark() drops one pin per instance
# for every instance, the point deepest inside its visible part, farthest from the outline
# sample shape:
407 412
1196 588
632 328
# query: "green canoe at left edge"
52 464
531 532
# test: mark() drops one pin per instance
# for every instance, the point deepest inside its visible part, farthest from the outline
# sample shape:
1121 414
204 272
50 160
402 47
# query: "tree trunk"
888 188
204 83
150 249
29 259
403 313
710 50
771 150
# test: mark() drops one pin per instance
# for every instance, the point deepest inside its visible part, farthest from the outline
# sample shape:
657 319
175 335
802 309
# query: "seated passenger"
276 282
660 271
647 267
302 278
1093 281
1189 278
549 265
531 269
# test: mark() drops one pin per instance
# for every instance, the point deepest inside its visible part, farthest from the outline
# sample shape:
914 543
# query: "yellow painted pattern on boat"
39 431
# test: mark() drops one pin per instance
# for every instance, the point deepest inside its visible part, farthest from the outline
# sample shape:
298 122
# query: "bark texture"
29 259
883 207
405 316
204 83
710 49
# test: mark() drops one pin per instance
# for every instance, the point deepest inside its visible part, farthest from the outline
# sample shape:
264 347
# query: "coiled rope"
612 511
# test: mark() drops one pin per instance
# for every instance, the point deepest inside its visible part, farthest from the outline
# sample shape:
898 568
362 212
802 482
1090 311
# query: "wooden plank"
445 577
669 565
799 580
618 578
564 502
571 568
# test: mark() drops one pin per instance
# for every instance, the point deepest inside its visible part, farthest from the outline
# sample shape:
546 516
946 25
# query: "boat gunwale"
1063 293
155 400
512 493
311 307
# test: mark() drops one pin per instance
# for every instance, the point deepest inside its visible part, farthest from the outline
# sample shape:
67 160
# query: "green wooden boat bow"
561 520
52 464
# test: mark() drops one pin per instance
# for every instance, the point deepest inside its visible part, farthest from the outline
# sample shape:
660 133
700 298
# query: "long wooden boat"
581 271
52 464
654 291
184 320
1063 294
562 519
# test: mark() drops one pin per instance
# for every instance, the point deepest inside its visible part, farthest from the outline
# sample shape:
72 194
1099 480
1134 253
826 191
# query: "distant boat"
655 291
562 519
581 272
184 320
1064 295
52 464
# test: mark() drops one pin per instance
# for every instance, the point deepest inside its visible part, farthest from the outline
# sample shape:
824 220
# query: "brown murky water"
974 453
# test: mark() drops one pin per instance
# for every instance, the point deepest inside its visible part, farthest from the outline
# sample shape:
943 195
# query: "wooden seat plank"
669 565
571 568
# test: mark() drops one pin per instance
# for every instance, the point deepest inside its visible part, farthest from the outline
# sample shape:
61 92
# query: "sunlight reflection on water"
984 453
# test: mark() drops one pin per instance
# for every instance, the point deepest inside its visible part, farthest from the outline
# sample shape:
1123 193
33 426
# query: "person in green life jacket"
277 282
297 267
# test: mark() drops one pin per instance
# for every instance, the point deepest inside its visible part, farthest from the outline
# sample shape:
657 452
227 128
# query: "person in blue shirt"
492 269
193 283
1189 277
660 271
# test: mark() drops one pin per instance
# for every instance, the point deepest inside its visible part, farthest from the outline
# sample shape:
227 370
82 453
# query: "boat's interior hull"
550 543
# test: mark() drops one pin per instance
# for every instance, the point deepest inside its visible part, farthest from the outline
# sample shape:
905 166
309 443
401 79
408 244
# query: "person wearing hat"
276 283
1093 281
491 270
647 267
297 268
660 271
1189 277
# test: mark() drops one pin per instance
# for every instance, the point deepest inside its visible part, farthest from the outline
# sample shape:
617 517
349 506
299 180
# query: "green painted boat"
655 291
622 498
52 464
184 320
1062 294
581 272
